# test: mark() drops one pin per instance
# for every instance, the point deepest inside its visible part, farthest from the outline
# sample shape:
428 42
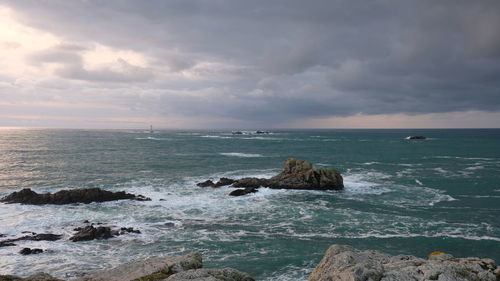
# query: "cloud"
279 61
71 62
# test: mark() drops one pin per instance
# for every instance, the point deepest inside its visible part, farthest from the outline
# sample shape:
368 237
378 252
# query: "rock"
32 237
158 268
240 192
221 182
298 174
206 183
226 274
44 237
125 230
416 138
261 132
346 263
6 243
251 182
35 277
90 233
28 251
87 195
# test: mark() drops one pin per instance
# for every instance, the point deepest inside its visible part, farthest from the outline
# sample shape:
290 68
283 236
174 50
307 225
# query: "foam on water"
240 154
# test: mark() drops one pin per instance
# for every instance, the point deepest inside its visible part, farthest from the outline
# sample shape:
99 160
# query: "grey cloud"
71 66
292 59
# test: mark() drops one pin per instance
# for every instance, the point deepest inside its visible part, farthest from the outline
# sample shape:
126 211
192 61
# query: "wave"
215 137
242 155
458 157
153 138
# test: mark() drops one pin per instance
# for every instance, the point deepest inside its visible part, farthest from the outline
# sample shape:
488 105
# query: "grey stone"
163 266
226 274
344 263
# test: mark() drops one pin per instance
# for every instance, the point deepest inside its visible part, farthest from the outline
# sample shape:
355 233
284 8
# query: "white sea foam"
152 138
465 158
473 168
215 137
242 155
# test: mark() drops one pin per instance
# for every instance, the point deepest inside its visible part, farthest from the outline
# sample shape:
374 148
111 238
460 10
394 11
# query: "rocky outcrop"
221 182
296 174
86 195
90 232
32 237
29 251
344 263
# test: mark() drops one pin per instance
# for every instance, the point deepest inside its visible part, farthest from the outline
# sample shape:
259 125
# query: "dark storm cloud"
299 58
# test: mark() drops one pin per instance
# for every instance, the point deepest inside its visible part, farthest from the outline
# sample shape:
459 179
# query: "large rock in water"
86 195
344 263
298 174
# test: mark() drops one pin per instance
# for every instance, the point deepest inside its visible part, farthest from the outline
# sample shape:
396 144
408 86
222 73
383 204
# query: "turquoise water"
400 196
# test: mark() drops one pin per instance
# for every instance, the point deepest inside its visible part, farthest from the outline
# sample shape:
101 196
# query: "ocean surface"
401 196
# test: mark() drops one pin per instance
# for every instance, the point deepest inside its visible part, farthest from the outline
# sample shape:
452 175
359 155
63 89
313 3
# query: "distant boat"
151 129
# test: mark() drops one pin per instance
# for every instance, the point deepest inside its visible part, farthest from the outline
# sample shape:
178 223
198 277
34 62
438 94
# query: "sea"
401 196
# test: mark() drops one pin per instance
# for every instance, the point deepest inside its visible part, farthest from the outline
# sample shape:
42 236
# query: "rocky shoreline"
340 263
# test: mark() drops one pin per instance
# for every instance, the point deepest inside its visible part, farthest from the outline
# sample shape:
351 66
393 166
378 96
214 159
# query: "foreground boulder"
226 274
86 195
345 263
177 268
296 174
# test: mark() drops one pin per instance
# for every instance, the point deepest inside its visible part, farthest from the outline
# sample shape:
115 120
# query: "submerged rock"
342 262
86 195
35 277
240 192
32 237
28 251
90 233
221 182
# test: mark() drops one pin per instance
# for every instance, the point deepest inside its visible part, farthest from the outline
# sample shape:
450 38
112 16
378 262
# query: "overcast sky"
249 64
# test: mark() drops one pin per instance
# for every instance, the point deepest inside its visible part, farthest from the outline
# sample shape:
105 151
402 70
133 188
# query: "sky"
250 64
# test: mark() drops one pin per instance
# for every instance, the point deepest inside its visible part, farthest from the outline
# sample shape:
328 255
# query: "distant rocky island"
340 263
